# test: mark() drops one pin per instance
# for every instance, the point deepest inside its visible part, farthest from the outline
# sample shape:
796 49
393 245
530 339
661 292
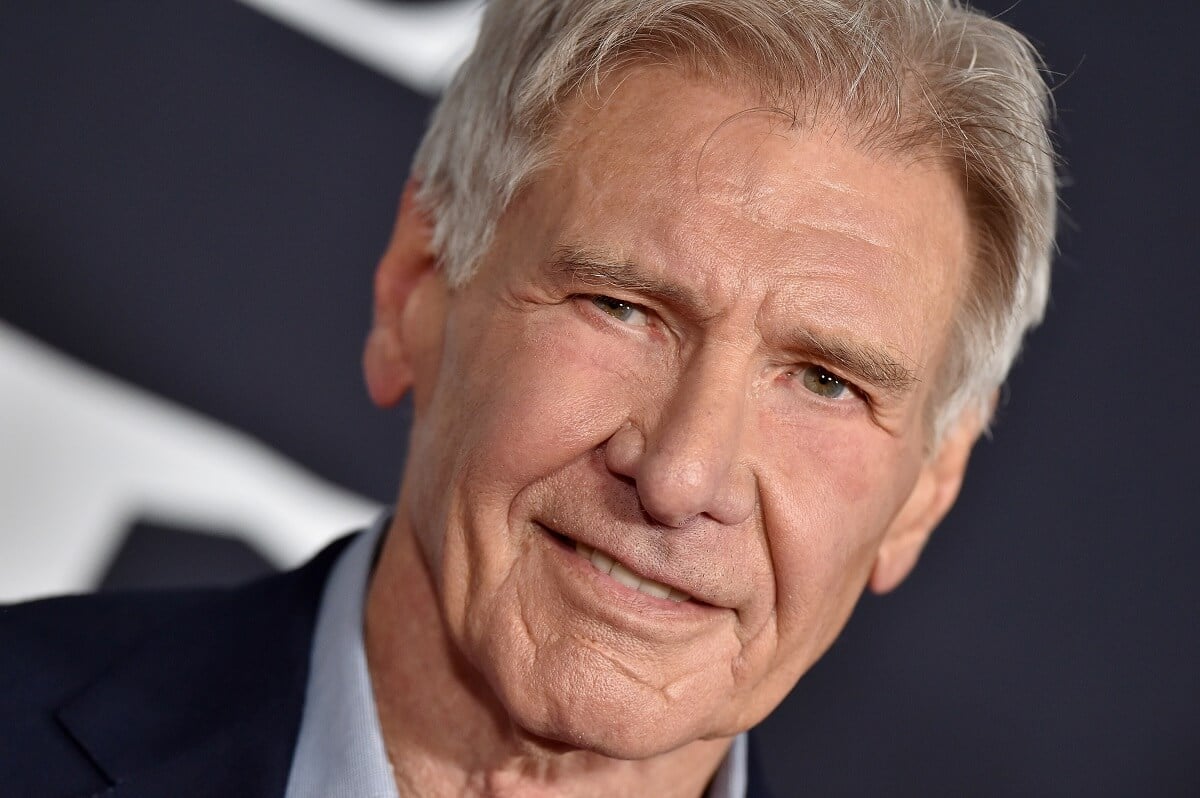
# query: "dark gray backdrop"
193 197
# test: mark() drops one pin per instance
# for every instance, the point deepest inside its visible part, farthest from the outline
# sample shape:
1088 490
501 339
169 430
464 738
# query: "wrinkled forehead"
765 160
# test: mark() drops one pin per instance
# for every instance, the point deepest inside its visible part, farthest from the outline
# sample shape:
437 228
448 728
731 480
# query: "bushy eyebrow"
600 271
855 361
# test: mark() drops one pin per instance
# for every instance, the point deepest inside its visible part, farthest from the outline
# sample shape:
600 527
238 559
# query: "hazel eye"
824 383
622 311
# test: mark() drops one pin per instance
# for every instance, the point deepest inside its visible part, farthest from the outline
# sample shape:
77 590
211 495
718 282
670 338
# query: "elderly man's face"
700 348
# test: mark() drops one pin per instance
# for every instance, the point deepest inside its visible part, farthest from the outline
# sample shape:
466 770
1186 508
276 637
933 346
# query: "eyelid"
649 314
851 385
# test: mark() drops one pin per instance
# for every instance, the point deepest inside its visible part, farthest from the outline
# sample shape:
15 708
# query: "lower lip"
615 593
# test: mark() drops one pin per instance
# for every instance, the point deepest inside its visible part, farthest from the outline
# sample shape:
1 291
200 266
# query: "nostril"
661 520
558 537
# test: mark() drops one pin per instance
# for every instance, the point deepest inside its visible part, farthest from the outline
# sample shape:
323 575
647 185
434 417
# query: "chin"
610 717
630 741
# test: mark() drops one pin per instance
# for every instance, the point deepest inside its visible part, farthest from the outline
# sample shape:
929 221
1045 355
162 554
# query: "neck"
446 733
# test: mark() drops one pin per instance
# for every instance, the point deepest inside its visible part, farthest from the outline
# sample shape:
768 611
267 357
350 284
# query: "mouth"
618 570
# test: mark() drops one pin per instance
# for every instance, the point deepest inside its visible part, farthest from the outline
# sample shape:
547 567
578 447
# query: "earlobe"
931 498
386 368
388 353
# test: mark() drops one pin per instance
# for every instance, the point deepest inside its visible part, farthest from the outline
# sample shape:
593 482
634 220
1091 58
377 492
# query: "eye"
622 311
824 383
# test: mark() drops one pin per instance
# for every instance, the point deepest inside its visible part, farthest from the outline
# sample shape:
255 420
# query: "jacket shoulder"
52 649
52 640
100 688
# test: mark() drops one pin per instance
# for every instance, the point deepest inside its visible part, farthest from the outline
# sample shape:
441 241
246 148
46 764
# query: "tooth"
605 564
625 576
602 561
653 588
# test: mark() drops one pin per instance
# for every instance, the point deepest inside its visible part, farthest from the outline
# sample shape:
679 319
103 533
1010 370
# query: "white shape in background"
82 455
420 46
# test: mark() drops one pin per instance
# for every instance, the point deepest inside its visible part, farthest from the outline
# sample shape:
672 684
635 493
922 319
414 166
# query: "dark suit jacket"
165 694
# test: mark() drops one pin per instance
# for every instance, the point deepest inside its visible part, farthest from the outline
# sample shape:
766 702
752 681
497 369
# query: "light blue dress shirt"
340 751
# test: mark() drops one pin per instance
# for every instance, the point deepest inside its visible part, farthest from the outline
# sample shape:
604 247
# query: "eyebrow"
597 270
860 362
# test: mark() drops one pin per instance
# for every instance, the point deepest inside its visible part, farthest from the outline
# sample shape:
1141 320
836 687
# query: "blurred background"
192 200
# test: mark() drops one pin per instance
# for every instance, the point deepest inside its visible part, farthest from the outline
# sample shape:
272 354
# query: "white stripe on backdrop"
418 45
85 454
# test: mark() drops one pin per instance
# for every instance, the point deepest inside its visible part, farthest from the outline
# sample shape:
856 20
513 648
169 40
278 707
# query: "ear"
409 260
931 498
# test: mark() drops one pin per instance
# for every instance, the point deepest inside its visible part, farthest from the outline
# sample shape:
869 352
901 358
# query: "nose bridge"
690 465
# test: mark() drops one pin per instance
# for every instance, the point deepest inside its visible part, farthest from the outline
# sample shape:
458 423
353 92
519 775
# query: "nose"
687 461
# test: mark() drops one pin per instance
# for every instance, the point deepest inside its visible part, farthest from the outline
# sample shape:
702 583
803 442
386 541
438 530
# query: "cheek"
833 466
833 491
827 505
519 395
549 393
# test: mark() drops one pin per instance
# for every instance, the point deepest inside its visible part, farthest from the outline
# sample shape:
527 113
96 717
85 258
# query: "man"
702 306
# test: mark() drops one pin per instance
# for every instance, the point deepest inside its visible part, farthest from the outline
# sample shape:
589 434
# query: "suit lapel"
210 704
756 784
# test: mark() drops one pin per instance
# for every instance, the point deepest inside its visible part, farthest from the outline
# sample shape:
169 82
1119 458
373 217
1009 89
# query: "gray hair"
916 76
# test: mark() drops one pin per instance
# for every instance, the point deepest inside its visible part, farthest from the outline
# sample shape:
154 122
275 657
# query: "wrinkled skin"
645 363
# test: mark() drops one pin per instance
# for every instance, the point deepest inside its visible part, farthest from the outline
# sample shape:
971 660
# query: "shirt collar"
340 752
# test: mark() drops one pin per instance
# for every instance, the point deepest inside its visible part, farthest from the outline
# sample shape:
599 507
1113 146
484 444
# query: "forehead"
689 177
